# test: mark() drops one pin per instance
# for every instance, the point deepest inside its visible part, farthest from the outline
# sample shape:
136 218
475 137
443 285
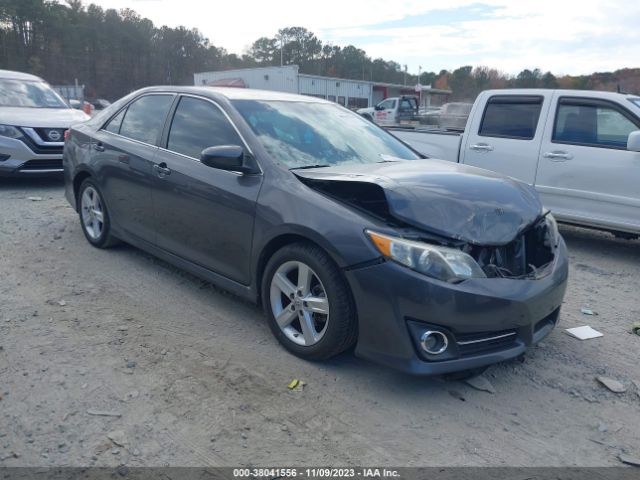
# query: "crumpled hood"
456 201
41 117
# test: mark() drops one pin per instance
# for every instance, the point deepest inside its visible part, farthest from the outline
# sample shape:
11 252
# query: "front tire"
308 303
94 216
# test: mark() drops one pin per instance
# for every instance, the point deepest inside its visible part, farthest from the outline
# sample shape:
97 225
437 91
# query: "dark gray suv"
343 233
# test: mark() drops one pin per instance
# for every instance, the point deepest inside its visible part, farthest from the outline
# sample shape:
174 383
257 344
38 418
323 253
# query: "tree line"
114 52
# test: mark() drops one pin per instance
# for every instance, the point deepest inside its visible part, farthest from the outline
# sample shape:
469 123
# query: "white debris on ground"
197 379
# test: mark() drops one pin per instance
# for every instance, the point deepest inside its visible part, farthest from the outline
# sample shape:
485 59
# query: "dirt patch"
112 357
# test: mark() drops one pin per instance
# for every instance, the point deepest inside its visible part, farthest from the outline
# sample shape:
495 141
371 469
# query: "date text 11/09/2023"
315 472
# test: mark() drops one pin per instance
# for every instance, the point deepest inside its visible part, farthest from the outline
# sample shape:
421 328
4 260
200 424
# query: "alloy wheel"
299 303
92 212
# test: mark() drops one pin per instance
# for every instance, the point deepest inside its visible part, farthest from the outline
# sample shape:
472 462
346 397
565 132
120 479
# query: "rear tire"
308 302
94 215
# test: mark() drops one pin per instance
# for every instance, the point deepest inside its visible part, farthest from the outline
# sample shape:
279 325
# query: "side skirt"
243 291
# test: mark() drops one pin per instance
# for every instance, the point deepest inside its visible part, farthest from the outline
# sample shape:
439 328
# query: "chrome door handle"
98 147
557 156
162 170
481 147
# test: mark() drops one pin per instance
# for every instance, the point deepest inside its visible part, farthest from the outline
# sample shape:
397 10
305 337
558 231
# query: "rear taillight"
67 134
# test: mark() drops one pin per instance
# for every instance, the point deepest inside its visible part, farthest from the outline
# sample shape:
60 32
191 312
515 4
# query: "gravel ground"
112 357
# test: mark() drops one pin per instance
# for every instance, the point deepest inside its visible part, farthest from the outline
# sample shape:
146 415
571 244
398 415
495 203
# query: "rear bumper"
485 320
17 159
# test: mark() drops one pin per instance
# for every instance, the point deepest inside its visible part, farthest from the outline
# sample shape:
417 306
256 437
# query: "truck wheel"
308 303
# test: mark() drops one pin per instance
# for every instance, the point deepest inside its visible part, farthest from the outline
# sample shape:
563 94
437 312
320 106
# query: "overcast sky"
566 37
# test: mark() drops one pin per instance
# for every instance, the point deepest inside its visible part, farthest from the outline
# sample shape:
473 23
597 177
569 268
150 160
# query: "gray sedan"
344 234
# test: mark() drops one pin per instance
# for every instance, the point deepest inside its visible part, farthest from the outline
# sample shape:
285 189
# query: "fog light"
434 342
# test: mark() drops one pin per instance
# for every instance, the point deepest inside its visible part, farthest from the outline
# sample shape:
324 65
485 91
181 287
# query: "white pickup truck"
580 149
392 110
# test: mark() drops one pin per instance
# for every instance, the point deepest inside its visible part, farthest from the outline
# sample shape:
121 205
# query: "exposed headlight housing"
443 263
9 131
553 235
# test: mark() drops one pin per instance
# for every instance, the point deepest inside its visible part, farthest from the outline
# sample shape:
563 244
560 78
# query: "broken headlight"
443 263
553 235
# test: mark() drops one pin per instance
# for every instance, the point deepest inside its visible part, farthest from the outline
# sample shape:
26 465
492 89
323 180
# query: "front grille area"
42 165
524 257
50 134
549 320
463 345
42 149
485 342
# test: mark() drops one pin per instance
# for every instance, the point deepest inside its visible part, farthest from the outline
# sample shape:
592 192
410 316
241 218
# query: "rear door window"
114 124
145 118
592 123
198 124
406 104
512 116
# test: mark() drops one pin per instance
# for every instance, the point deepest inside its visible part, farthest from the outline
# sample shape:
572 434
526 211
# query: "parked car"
392 110
33 119
451 116
101 104
579 149
75 103
345 235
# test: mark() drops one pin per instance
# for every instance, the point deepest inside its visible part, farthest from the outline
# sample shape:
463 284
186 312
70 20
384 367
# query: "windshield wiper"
309 166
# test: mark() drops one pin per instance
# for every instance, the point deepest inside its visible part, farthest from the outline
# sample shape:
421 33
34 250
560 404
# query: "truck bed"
432 142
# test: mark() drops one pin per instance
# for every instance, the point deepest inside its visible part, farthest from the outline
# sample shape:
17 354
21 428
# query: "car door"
506 137
204 215
385 111
406 109
585 172
123 151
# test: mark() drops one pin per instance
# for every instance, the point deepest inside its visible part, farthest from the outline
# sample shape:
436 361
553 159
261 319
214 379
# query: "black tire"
105 239
341 327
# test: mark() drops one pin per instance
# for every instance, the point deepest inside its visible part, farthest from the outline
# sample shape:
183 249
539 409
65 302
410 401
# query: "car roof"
10 74
573 93
232 93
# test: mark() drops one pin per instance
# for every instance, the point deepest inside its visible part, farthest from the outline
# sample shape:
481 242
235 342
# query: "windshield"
635 101
304 134
21 93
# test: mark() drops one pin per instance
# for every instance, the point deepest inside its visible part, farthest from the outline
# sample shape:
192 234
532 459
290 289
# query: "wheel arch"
282 240
80 177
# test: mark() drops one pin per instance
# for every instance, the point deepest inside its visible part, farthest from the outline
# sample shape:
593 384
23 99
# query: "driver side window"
199 124
387 104
592 124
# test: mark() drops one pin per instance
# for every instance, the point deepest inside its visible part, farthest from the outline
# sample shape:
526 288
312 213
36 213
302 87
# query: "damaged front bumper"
485 320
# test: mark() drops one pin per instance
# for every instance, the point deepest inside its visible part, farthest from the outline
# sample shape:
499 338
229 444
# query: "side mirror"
225 157
378 107
633 142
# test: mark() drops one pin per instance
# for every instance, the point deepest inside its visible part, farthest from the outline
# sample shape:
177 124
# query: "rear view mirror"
225 157
633 142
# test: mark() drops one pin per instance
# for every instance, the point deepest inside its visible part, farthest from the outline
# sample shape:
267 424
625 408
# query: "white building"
350 93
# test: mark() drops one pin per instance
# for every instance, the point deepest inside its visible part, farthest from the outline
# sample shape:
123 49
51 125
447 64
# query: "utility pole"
405 74
281 49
